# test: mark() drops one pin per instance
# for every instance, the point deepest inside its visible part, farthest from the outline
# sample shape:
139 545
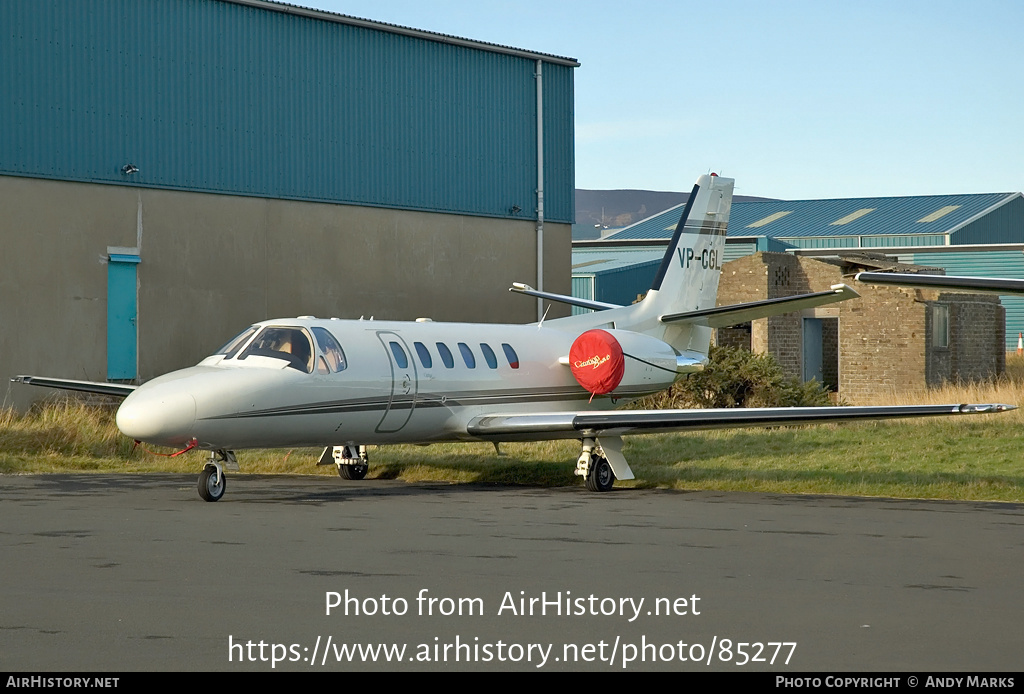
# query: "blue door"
122 316
813 354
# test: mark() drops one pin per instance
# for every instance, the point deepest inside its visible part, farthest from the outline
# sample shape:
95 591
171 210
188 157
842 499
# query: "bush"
738 378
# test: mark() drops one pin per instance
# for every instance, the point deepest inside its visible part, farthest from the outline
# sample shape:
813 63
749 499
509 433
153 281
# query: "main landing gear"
212 482
594 468
353 461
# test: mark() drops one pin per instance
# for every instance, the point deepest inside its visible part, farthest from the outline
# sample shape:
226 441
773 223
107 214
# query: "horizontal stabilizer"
533 427
989 285
118 389
561 298
724 316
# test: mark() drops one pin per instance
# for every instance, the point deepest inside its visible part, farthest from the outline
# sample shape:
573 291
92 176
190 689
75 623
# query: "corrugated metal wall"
219 97
1009 264
874 241
1005 224
582 288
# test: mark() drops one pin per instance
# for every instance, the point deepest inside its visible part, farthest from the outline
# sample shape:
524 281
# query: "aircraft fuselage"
403 382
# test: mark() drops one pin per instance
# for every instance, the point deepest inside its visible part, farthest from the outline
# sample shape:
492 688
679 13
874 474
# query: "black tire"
208 490
601 478
353 472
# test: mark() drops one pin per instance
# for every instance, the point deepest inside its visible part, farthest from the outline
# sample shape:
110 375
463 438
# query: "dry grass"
970 457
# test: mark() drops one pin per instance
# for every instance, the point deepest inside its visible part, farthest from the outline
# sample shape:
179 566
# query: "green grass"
975 458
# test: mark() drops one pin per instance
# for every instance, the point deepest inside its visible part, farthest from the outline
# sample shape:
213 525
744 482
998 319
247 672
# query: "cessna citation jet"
346 384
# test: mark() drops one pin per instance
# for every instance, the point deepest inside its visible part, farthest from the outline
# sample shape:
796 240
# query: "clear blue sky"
795 99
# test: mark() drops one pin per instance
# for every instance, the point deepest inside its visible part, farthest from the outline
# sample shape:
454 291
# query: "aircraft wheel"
209 490
601 477
353 472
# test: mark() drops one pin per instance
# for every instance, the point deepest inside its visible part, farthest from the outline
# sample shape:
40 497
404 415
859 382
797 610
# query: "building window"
940 325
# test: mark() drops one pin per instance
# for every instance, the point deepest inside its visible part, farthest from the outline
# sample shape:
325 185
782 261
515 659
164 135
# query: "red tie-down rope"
191 444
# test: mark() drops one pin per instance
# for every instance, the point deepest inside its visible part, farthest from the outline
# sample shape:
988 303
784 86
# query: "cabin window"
400 358
424 354
492 361
510 354
289 344
332 351
467 355
231 347
446 355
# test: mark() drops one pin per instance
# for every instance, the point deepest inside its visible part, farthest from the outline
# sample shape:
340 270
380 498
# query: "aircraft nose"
162 416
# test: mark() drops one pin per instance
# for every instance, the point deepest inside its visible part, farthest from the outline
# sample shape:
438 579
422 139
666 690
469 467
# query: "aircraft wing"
531 427
724 316
118 389
990 285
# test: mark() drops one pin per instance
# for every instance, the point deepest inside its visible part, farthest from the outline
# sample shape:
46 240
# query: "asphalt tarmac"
286 573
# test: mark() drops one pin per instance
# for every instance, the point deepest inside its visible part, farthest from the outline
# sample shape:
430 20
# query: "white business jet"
346 384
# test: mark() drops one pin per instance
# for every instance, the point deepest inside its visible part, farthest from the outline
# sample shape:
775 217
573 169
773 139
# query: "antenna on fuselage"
543 317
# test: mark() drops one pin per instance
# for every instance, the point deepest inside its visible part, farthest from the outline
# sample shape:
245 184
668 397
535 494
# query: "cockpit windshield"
289 344
231 347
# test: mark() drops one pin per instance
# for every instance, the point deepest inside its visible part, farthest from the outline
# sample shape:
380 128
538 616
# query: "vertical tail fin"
688 277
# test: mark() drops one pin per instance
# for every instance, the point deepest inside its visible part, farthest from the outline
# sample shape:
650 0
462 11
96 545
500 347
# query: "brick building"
889 341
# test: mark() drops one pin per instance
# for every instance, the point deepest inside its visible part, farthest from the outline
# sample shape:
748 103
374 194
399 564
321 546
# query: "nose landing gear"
212 482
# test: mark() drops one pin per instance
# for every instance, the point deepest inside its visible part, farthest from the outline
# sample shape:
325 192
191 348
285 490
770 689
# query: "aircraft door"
404 383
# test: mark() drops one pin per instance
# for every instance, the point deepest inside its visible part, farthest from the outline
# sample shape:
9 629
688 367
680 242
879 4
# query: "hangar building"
173 170
890 339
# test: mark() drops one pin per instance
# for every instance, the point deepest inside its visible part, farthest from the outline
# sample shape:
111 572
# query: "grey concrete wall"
213 264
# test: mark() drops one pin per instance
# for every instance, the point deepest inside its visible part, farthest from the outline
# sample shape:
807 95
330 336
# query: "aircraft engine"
605 360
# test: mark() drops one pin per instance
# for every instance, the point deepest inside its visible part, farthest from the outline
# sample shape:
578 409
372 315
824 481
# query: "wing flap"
117 389
724 316
531 427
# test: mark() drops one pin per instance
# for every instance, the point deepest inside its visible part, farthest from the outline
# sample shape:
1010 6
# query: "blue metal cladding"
1003 224
215 96
1008 264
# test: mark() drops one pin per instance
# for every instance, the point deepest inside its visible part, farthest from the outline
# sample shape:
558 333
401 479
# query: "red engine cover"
596 361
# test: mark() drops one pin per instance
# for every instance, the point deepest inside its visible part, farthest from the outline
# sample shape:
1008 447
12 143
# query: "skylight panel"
853 216
589 262
938 214
769 219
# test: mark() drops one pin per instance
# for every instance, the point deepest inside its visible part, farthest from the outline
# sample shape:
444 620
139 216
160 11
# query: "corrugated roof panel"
814 218
599 261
